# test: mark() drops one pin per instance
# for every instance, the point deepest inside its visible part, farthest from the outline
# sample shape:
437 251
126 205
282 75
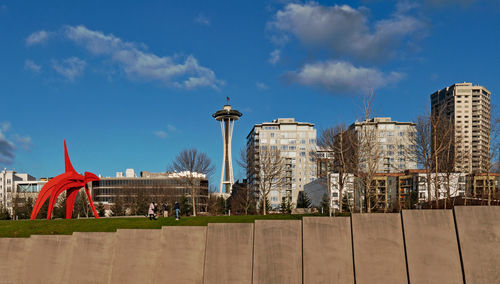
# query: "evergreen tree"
42 214
117 208
4 214
59 209
101 210
324 205
22 207
286 206
303 200
186 207
141 203
221 206
345 204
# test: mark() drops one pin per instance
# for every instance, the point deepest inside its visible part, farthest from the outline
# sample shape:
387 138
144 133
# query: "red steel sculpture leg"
69 181
91 203
71 195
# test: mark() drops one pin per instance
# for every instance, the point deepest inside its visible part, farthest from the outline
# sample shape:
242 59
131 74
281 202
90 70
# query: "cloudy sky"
129 85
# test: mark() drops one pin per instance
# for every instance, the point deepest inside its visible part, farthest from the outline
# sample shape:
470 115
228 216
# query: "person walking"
165 210
151 211
177 208
155 210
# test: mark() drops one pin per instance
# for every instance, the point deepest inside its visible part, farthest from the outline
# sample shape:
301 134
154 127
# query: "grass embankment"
25 228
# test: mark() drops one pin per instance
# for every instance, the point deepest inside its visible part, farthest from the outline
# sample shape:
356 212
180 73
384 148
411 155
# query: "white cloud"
171 128
340 76
32 66
39 37
24 142
165 133
261 86
161 134
202 20
70 68
7 147
346 31
6 150
140 64
5 126
275 56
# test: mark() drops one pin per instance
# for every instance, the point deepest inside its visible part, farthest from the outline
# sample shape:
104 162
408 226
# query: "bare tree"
493 152
369 154
265 168
192 163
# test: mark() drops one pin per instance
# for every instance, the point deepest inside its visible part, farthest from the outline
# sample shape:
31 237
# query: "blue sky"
131 84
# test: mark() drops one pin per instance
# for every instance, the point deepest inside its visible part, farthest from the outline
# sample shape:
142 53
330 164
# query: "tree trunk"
193 199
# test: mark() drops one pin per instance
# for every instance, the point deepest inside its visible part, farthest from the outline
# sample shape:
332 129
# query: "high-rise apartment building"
393 149
296 142
467 106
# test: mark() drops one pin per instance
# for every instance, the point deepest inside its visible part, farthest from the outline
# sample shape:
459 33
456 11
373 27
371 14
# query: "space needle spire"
227 116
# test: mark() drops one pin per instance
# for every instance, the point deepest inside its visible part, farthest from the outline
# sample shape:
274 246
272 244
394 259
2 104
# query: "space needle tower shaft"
227 116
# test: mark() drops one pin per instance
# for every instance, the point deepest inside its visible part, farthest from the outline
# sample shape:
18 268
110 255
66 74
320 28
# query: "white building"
347 191
297 144
468 107
456 182
13 183
396 151
130 173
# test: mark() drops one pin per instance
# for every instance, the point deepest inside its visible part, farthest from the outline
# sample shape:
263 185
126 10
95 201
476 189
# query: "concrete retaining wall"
440 246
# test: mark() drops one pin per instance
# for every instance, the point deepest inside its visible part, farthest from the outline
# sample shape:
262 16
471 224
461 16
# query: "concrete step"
327 250
431 247
12 251
479 236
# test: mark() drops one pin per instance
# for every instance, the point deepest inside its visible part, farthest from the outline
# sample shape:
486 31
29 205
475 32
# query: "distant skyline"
129 84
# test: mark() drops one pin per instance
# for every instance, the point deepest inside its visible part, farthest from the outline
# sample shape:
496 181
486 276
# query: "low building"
21 185
159 187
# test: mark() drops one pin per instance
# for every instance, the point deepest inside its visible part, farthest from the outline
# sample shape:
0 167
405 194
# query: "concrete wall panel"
46 258
11 259
379 255
135 256
479 235
327 250
277 252
183 255
431 247
92 258
229 253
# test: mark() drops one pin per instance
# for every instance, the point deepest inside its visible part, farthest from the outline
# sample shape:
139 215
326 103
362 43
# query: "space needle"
227 116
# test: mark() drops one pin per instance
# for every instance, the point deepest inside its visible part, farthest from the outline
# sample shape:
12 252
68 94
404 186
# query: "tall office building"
468 108
396 151
297 144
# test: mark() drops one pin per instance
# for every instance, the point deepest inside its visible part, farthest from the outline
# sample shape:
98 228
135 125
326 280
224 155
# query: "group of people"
153 210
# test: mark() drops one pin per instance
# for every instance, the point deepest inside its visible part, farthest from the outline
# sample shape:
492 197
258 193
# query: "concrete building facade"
396 151
296 142
13 184
468 108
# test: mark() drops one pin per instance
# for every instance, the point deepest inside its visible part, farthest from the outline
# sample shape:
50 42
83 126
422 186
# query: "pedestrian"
177 208
155 210
165 210
151 211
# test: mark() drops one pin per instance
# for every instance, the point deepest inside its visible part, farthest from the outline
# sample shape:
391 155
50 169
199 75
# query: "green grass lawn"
25 228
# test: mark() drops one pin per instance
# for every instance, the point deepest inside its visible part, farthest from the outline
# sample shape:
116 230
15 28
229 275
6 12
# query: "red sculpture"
71 182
